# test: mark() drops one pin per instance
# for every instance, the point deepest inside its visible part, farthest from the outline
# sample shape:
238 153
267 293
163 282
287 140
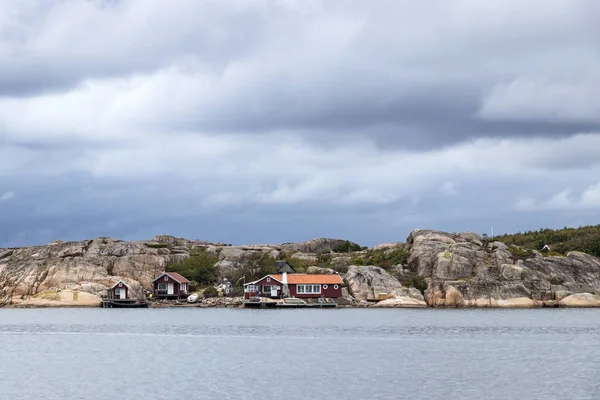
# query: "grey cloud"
402 74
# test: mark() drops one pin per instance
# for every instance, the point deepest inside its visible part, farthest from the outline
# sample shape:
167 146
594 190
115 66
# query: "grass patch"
520 253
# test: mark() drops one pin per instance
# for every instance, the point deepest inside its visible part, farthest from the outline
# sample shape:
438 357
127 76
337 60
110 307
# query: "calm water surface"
299 354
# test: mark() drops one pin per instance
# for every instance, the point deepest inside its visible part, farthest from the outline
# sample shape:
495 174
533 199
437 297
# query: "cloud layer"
271 121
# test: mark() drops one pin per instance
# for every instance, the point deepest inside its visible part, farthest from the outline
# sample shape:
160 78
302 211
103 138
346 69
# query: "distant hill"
585 239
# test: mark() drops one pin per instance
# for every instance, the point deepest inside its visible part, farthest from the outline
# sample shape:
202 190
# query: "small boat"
122 304
192 298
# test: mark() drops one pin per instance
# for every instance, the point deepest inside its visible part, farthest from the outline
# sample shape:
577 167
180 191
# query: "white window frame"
308 289
336 286
164 286
265 291
268 279
325 286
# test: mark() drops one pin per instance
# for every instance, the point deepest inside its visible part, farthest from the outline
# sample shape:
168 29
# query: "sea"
328 354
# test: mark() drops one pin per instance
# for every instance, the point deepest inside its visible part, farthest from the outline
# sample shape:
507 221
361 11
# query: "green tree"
199 266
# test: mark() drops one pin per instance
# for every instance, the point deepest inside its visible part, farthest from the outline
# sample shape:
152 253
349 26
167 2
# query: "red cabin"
120 291
295 285
171 285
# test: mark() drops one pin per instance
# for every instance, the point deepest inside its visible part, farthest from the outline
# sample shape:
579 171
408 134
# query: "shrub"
520 253
210 291
194 286
387 259
346 247
299 264
156 245
199 267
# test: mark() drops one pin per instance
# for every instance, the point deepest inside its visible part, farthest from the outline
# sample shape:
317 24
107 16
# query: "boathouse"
120 291
170 285
295 285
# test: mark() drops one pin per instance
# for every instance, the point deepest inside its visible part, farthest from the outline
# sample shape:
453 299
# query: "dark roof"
284 266
175 276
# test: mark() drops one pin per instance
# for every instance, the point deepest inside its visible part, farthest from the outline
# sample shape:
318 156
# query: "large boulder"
375 283
581 300
462 271
370 282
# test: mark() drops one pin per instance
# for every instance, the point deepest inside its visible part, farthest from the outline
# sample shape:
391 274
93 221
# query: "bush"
299 264
210 291
194 286
520 253
346 247
387 259
199 267
156 245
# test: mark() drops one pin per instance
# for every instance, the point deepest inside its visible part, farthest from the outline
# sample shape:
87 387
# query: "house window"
120 284
336 287
325 286
267 289
166 278
308 289
162 286
268 279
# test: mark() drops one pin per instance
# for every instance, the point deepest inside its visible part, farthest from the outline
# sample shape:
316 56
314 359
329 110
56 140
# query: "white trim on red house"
169 275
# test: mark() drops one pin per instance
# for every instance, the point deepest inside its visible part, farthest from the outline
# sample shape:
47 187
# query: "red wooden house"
120 291
295 285
171 285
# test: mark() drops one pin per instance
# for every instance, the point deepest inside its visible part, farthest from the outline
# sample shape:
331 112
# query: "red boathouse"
119 291
171 285
295 285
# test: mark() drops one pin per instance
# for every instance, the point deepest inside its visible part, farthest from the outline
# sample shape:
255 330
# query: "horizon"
285 120
276 243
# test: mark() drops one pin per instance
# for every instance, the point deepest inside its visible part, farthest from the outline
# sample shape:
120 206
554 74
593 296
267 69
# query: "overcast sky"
272 121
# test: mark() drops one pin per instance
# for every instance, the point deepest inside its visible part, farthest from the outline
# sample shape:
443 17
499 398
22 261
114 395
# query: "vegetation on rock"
384 258
156 245
252 267
210 291
585 239
347 246
520 253
199 267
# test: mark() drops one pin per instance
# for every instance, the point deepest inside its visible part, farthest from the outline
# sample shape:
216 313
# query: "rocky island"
430 269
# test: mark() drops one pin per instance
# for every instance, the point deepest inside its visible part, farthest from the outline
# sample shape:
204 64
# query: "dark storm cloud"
274 121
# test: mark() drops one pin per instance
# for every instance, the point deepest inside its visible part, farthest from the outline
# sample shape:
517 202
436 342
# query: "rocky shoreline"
440 270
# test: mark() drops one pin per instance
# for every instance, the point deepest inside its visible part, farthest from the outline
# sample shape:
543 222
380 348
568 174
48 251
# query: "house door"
119 293
170 289
274 291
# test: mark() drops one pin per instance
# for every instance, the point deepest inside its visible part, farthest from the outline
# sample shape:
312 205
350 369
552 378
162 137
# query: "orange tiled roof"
321 279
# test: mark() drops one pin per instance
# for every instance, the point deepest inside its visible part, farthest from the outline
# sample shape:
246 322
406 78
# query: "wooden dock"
290 302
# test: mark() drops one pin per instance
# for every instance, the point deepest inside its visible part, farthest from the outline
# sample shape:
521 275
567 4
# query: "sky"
255 121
